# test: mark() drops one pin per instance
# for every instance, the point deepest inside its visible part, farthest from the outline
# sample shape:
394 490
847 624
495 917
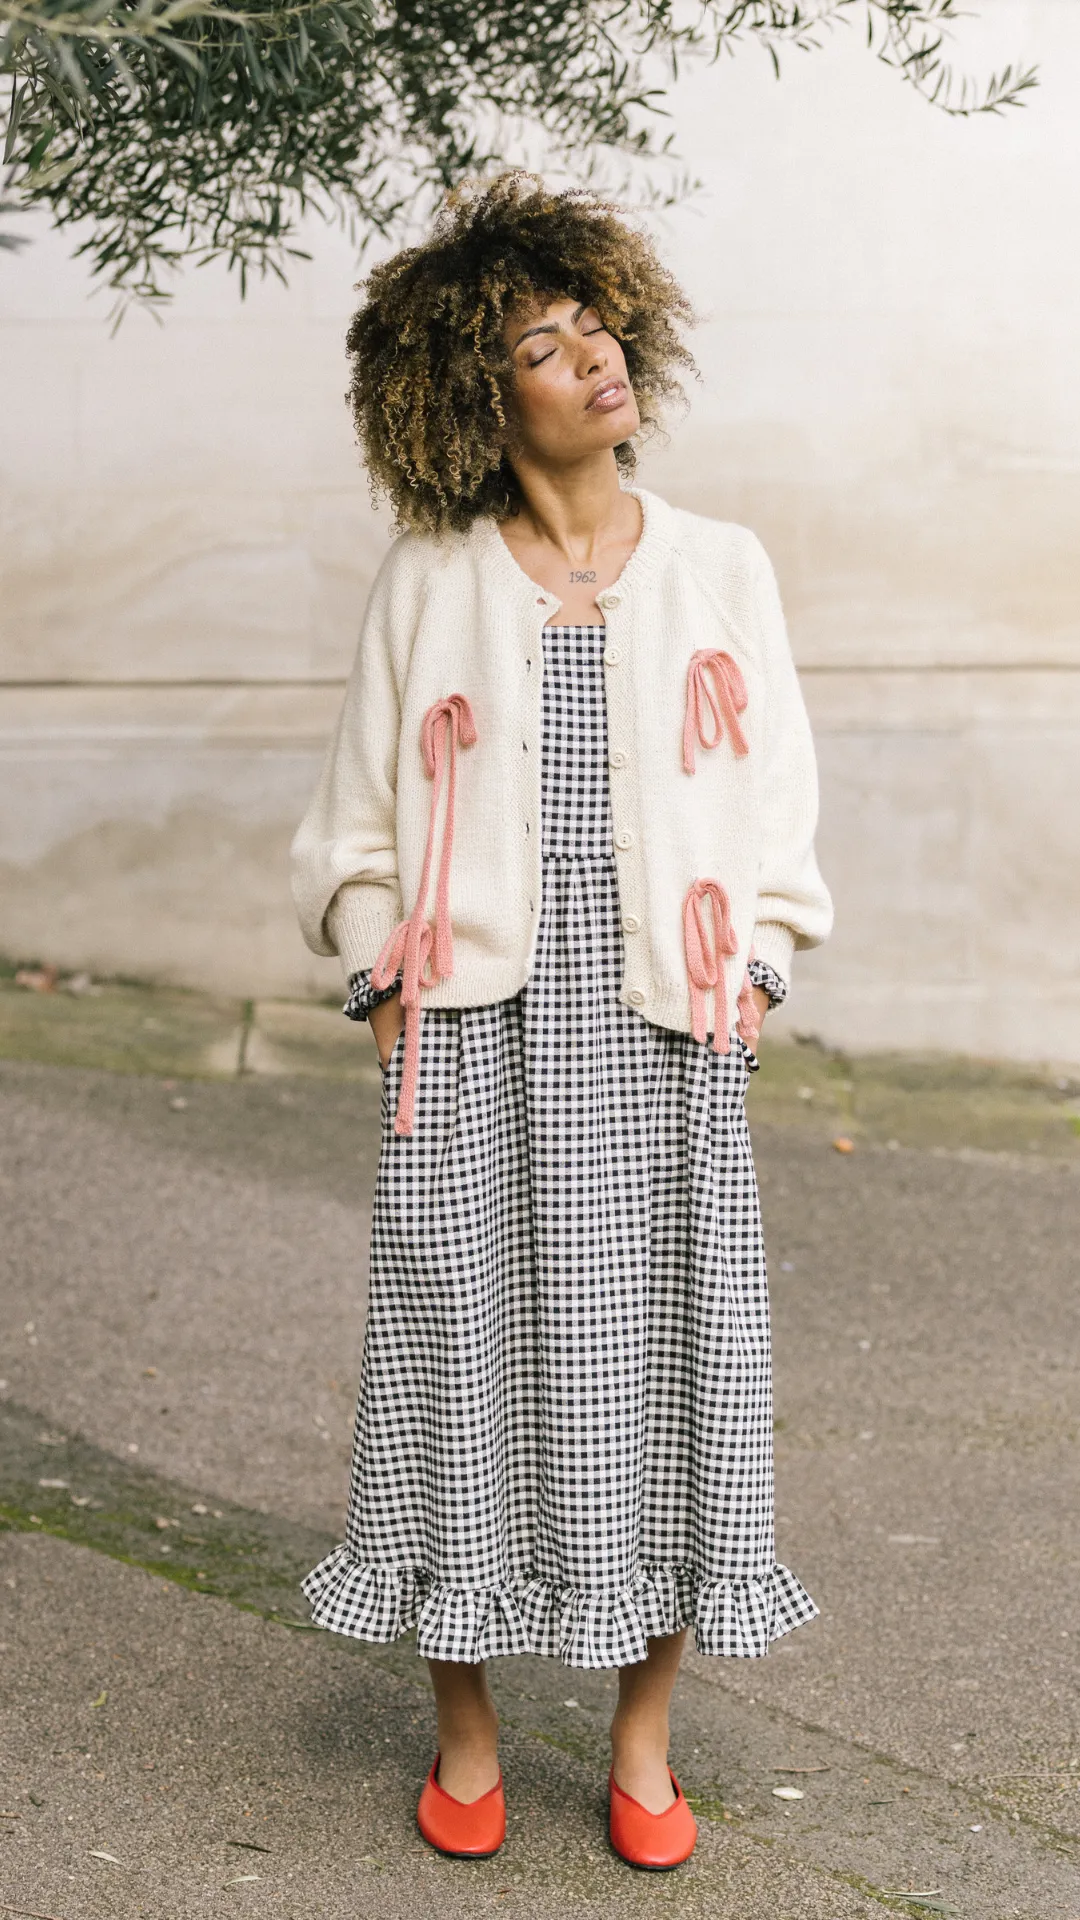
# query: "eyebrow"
550 326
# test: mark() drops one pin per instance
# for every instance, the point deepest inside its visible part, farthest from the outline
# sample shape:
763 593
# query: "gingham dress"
564 1433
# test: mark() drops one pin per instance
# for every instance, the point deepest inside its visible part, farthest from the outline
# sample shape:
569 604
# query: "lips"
609 395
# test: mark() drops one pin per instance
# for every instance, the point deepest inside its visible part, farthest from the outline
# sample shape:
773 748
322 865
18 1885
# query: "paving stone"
123 1029
288 1038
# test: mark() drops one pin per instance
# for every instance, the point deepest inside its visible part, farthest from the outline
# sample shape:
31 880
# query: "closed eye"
587 332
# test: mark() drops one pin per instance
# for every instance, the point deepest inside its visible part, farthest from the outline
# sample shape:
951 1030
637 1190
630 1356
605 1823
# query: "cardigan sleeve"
344 856
793 909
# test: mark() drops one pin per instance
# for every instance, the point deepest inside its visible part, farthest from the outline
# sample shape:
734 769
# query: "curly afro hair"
430 371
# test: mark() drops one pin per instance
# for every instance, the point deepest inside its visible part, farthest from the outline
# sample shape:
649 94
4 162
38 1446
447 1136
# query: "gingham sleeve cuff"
363 996
767 978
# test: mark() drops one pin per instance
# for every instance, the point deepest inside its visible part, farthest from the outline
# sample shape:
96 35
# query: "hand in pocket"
387 1020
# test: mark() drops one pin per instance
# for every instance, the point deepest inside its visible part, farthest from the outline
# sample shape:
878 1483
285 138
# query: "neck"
574 509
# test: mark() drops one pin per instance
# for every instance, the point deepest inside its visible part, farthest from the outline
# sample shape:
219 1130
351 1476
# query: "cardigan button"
612 656
636 997
630 923
624 839
617 759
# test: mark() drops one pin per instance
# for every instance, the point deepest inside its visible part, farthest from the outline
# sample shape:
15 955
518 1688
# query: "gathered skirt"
563 1440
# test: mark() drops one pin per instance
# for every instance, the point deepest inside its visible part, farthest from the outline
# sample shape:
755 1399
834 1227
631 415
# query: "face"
571 394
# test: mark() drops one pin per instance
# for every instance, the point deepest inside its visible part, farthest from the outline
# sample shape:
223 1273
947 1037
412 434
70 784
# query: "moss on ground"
908 1100
58 1483
946 1101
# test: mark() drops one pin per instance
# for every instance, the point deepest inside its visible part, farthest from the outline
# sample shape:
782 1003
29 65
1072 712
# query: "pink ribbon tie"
715 696
706 901
425 955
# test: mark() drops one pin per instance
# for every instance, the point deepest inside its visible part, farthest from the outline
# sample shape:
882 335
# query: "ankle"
469 1759
472 1731
642 1735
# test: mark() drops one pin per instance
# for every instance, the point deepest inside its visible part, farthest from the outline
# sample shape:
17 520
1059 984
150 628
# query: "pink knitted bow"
706 900
426 957
716 694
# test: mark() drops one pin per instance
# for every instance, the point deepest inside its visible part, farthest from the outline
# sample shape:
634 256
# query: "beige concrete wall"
890 395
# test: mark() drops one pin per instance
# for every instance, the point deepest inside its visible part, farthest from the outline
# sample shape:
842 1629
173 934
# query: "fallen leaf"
96 1853
253 1846
178 1104
199 1508
149 1373
788 1793
52 1483
80 1499
37 979
843 1145
241 1878
822 1768
101 1699
914 1540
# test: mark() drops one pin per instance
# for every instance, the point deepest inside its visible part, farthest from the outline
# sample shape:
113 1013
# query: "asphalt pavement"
181 1317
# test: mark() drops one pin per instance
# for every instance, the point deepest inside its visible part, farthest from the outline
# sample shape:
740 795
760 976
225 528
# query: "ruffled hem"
737 1619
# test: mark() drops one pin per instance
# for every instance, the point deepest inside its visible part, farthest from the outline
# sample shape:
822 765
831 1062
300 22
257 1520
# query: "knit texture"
457 616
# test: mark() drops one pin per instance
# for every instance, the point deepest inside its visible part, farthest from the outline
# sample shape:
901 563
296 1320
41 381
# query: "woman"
563 844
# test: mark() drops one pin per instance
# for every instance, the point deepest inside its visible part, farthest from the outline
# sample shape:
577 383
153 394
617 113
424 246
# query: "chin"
620 426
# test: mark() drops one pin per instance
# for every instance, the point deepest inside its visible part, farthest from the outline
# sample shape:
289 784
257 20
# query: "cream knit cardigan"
457 615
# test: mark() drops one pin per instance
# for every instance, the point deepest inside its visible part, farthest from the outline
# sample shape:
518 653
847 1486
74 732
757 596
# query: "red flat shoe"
465 1829
655 1841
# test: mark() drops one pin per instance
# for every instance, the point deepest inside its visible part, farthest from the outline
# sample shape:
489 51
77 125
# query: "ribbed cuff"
360 921
775 944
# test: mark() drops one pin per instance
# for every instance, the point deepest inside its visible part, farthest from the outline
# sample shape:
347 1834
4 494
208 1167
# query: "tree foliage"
188 129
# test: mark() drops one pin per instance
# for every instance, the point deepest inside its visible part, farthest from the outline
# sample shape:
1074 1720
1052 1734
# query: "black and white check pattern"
564 1432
